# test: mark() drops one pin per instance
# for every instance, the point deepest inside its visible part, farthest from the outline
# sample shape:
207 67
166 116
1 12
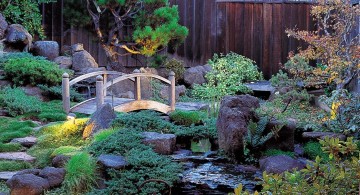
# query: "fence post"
172 97
105 80
137 86
66 92
99 91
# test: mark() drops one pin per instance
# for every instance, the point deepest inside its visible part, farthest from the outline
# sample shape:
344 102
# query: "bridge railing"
66 84
102 84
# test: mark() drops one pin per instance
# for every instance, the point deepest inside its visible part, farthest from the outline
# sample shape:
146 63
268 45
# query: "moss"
6 165
10 147
187 118
102 135
11 128
313 149
275 152
65 150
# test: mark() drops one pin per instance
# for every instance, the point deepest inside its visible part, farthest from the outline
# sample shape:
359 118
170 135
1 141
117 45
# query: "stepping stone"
22 156
25 141
191 106
7 175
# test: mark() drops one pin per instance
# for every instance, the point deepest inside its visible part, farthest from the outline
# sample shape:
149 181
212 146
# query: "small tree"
24 12
334 43
138 26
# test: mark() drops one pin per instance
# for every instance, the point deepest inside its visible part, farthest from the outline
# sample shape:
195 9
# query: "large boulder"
161 143
82 60
17 38
28 184
279 164
112 161
3 26
196 75
55 176
48 49
234 115
285 138
64 62
100 120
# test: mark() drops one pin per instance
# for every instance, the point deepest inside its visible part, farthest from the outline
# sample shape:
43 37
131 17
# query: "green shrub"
17 102
102 135
55 93
80 173
34 71
10 147
14 165
65 150
187 118
313 149
14 55
227 77
177 66
275 152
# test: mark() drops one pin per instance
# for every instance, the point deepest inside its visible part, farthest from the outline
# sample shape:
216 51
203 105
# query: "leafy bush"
338 176
275 152
55 93
227 76
80 173
34 71
177 66
14 165
313 149
187 118
17 102
14 55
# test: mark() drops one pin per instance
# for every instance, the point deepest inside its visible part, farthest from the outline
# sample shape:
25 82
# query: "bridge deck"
89 107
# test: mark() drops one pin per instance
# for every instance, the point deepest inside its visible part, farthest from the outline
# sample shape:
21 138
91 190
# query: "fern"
255 133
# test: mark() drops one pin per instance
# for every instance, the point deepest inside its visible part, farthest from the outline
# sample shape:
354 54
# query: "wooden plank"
198 30
190 24
230 27
277 33
258 33
267 26
221 31
143 105
239 28
248 30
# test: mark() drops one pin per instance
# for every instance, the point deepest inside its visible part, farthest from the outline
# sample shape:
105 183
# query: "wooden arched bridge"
120 104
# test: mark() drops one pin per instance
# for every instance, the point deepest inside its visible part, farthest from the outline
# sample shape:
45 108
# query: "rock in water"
100 120
234 115
161 143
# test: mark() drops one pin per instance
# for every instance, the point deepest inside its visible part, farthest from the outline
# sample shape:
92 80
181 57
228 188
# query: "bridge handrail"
92 74
135 75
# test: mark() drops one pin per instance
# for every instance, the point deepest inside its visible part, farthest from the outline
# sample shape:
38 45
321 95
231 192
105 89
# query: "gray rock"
27 184
112 161
21 156
192 106
60 161
48 49
82 60
25 141
77 47
34 91
261 86
315 136
29 171
100 120
7 175
279 164
234 115
179 91
298 150
64 62
196 75
3 26
55 176
161 143
17 38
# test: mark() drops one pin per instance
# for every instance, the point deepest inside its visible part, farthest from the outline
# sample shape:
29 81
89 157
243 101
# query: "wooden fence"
255 29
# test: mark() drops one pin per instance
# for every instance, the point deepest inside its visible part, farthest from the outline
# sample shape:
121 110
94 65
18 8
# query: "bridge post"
105 80
99 91
66 92
137 87
172 97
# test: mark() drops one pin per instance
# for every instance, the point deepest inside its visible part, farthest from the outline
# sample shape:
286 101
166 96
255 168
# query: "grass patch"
65 150
187 118
102 135
7 165
10 147
80 173
11 128
275 152
42 155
